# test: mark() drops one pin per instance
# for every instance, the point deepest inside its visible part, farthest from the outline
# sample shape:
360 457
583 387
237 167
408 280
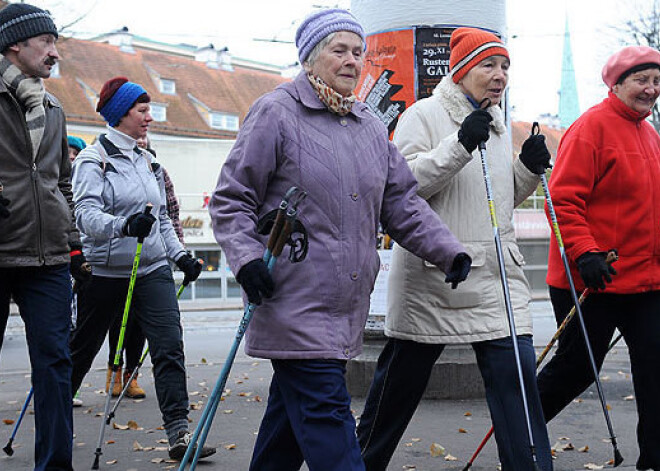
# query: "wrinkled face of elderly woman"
339 63
487 79
639 90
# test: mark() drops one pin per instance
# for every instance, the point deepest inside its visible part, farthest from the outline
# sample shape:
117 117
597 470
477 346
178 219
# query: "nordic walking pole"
8 449
507 296
610 258
276 241
618 459
136 370
120 343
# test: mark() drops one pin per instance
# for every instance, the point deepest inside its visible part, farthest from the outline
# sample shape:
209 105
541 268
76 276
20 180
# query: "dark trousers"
134 341
402 373
568 373
308 419
157 314
43 296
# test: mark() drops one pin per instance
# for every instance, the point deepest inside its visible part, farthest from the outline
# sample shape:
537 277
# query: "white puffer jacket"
422 307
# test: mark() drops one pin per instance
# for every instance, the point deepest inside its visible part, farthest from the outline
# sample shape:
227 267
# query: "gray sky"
535 30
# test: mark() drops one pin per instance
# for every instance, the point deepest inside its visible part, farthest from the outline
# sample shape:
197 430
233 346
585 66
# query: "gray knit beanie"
20 21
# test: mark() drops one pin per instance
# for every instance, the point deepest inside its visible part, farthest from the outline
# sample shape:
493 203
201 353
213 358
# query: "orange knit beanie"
468 47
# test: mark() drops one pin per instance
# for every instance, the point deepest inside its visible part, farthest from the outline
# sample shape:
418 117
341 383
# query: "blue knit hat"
76 142
122 101
320 24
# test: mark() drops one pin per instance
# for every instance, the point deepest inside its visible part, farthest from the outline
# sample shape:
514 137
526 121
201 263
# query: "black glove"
460 268
80 270
474 129
594 270
138 225
535 154
4 210
191 268
256 281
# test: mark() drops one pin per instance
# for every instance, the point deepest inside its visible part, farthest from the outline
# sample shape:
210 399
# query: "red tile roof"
222 91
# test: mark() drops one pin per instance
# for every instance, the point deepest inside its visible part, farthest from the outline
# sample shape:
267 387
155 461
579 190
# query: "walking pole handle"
147 210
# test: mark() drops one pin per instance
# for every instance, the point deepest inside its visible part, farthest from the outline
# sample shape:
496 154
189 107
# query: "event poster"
400 67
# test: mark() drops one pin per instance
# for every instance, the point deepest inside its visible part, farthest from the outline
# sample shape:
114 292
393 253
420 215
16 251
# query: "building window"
167 86
224 121
158 112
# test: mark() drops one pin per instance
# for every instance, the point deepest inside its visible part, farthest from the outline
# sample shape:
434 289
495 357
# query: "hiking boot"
134 391
178 449
116 388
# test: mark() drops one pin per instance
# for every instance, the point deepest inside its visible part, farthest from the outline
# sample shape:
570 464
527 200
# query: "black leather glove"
256 281
138 225
474 129
80 270
191 268
460 268
594 270
4 210
535 154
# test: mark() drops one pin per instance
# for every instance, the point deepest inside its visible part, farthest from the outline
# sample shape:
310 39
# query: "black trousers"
568 373
101 302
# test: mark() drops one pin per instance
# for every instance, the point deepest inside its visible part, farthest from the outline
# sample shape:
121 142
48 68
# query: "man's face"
35 57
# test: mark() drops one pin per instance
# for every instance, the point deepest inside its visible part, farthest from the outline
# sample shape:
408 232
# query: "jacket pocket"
469 293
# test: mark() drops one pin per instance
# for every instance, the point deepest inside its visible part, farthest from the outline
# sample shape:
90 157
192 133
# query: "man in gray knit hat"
39 243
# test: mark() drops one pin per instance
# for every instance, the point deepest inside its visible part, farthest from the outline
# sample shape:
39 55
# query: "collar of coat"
458 106
301 90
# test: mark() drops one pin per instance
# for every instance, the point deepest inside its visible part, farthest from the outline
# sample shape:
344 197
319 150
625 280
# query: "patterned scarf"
335 102
29 91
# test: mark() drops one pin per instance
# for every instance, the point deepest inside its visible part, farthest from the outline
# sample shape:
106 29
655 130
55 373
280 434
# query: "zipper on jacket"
35 187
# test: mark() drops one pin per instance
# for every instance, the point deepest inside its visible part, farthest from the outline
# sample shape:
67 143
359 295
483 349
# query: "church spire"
569 107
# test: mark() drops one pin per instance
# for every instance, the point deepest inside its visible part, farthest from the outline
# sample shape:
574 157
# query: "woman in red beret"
606 192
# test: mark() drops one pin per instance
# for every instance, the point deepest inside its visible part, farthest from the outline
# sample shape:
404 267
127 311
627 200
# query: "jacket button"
343 121
347 352
354 276
354 196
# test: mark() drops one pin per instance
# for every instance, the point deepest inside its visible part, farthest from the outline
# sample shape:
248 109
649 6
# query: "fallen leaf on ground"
609 407
8 421
584 449
117 426
157 460
468 414
437 450
568 446
231 446
610 462
409 466
111 462
593 466
415 440
137 446
245 394
409 444
450 458
227 411
578 400
605 378
109 442
629 398
162 440
203 360
462 430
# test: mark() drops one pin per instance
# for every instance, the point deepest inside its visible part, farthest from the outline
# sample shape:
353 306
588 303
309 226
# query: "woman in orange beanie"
439 136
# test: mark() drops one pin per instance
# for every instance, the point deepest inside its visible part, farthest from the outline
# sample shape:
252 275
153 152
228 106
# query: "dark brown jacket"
41 229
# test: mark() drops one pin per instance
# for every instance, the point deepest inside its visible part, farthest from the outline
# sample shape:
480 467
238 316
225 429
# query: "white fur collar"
457 105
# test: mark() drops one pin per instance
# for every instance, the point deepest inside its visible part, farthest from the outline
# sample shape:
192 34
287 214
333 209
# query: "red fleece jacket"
606 191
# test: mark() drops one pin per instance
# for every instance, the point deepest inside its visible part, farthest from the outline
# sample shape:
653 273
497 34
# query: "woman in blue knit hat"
312 133
113 181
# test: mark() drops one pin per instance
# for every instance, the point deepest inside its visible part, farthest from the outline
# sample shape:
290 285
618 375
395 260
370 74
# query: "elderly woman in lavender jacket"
313 134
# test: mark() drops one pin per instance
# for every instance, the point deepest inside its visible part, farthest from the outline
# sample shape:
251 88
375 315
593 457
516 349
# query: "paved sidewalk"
458 426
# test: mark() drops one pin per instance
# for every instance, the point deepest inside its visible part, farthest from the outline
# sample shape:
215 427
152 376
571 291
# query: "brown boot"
116 388
134 390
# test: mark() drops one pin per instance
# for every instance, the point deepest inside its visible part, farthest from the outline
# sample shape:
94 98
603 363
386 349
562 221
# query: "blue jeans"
43 296
402 373
156 311
568 373
308 418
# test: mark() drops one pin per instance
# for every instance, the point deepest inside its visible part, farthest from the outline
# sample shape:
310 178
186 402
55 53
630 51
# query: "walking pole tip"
8 449
467 466
618 459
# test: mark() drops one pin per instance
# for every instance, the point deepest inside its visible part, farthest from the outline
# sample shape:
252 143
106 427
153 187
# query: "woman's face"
136 122
340 62
639 90
487 79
